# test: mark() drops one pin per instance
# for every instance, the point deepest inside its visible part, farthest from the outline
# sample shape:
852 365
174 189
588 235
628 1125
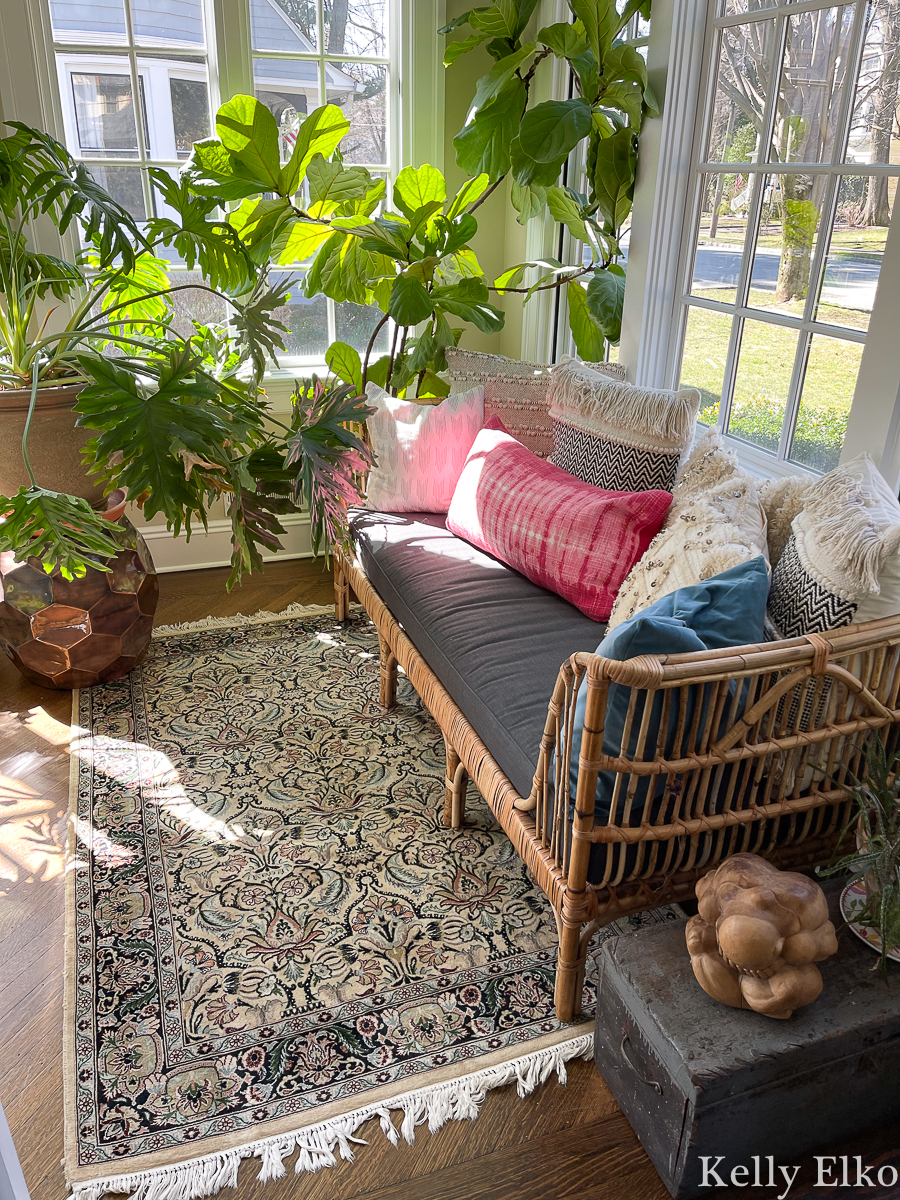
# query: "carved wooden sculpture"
758 935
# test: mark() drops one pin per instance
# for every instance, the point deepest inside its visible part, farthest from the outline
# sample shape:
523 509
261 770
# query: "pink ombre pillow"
567 536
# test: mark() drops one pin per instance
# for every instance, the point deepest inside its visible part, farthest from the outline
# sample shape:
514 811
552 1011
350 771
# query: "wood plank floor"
559 1143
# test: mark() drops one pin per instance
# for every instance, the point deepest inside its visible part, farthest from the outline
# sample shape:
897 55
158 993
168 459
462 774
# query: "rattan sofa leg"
387 688
570 967
341 589
456 784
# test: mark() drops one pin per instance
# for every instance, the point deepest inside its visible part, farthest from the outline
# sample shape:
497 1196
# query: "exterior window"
568 250
794 190
304 53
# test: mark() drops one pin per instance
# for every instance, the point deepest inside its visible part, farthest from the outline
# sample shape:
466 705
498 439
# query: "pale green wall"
500 241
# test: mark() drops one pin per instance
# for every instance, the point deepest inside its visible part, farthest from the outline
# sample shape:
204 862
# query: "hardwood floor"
559 1143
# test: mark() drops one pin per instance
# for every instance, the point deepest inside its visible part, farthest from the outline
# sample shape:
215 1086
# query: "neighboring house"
96 90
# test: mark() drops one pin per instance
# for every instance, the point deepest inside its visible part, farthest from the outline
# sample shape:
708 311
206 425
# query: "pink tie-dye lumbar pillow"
420 449
567 536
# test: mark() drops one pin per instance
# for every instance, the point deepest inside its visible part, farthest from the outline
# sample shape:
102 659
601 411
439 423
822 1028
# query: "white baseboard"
213 549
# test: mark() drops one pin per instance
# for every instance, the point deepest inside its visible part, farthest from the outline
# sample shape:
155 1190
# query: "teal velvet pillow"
727 610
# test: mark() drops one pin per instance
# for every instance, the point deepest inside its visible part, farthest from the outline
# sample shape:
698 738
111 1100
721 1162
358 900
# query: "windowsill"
760 463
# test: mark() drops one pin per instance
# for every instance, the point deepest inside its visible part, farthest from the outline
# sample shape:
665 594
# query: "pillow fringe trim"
668 415
451 1100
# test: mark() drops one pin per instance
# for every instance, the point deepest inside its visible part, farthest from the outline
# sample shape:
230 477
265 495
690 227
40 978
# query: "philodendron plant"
506 134
179 413
413 261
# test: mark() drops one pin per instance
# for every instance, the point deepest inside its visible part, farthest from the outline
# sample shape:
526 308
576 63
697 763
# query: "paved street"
849 282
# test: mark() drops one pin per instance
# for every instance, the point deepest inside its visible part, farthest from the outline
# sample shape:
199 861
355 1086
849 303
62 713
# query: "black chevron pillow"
612 465
798 604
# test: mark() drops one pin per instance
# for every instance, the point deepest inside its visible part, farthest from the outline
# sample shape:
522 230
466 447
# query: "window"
139 84
568 248
306 54
794 190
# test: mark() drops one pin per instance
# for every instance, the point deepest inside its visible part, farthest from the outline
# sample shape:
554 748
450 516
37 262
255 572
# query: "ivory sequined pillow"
616 436
716 522
515 392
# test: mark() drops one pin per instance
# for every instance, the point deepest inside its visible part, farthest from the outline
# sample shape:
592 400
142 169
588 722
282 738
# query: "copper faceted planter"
63 633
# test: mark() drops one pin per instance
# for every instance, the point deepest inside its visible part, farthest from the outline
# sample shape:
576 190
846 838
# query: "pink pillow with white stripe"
567 536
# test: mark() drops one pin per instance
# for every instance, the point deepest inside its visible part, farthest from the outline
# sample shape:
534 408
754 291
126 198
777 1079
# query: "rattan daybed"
769 782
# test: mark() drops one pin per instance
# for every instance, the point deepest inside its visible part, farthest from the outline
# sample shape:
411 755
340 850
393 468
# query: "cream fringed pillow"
617 436
841 564
716 522
782 500
516 392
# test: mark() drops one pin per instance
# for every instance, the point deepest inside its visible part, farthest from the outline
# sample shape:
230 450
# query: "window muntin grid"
799 153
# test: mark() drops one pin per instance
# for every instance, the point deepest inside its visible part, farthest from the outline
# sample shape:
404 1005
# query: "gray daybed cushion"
495 640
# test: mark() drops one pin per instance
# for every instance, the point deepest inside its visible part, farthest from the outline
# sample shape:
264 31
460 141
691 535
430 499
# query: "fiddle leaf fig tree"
408 257
505 134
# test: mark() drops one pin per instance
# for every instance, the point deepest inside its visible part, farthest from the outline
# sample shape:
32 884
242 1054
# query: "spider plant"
876 860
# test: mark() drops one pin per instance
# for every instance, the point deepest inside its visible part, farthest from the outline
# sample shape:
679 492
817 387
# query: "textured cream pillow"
782 500
516 392
615 435
841 565
716 522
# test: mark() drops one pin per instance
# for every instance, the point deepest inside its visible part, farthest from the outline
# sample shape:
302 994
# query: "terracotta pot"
76 633
54 443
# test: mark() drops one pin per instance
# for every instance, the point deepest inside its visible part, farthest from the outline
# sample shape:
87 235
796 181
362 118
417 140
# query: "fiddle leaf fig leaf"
564 209
345 362
418 186
563 39
585 331
529 200
491 85
550 131
299 241
462 19
470 191
410 303
483 146
605 297
456 50
613 162
600 21
249 133
331 184
319 133
213 172
527 171
468 299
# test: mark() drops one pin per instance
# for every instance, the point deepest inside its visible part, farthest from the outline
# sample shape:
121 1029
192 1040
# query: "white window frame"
35 90
663 227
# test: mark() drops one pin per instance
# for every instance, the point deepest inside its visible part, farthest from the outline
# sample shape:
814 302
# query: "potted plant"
872 900
175 419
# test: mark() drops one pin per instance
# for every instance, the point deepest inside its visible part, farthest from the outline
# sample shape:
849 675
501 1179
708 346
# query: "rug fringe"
451 1100
258 618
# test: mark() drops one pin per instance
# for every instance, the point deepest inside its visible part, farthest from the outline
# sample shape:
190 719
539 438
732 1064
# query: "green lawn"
732 230
763 379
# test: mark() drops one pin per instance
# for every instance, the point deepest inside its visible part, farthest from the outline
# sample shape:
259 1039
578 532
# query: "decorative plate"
853 899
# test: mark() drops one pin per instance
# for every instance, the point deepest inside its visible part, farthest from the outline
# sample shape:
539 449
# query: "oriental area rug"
272 938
